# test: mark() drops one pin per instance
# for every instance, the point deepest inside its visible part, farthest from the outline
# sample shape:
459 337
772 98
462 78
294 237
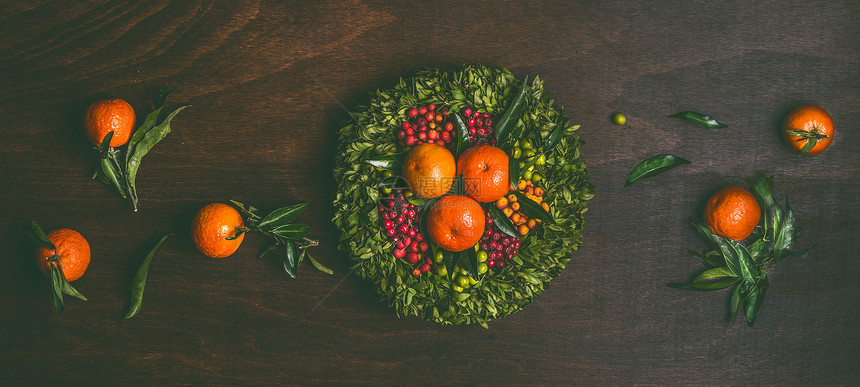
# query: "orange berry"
545 206
732 212
211 227
508 211
529 190
109 115
521 185
73 252
523 229
531 223
515 206
538 192
501 203
516 217
512 198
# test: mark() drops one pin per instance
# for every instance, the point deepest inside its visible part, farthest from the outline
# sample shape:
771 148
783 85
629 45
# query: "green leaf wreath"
370 135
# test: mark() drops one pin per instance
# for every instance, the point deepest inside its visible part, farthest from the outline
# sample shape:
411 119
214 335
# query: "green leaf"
393 162
758 249
503 222
531 209
469 262
110 172
700 120
37 235
553 139
745 261
706 286
291 258
754 299
104 146
715 273
139 282
785 235
451 259
505 126
57 288
807 147
654 166
281 217
158 100
295 231
150 138
734 304
237 232
316 264
705 259
729 254
514 170
461 143
267 250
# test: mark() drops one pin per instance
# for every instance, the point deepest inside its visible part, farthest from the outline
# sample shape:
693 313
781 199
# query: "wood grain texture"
267 83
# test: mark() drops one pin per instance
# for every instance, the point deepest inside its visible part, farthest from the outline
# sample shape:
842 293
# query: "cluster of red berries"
480 127
426 125
500 247
400 222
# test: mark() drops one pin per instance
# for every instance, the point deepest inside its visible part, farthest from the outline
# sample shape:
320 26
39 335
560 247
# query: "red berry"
406 241
399 253
400 219
445 136
425 267
467 112
472 130
404 228
423 246
449 126
406 125
422 135
491 263
401 245
414 246
488 121
440 142
391 232
481 133
429 117
389 224
471 122
410 140
439 118
410 131
416 272
413 112
422 111
412 257
413 233
489 221
420 237
432 135
431 107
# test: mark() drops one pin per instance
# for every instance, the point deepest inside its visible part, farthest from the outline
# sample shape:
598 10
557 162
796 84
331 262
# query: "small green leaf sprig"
745 267
59 284
291 236
121 172
139 282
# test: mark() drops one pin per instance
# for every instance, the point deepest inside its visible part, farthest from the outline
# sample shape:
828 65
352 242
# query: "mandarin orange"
485 172
732 212
72 250
813 120
455 222
109 115
429 170
211 227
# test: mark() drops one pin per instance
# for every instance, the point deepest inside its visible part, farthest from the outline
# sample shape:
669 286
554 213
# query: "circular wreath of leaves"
543 252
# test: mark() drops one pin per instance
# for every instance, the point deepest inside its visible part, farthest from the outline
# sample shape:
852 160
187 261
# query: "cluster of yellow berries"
509 205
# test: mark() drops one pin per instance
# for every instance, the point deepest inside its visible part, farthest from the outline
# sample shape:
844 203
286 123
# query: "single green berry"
619 119
482 256
527 175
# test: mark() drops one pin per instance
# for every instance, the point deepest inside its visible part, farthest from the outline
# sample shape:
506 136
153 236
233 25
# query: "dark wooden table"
268 84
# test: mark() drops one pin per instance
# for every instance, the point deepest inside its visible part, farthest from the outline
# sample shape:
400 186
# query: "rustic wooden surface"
267 83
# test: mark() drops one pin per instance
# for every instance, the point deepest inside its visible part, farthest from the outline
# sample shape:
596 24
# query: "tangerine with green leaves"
455 222
485 172
808 130
429 170
72 254
109 115
732 212
213 225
